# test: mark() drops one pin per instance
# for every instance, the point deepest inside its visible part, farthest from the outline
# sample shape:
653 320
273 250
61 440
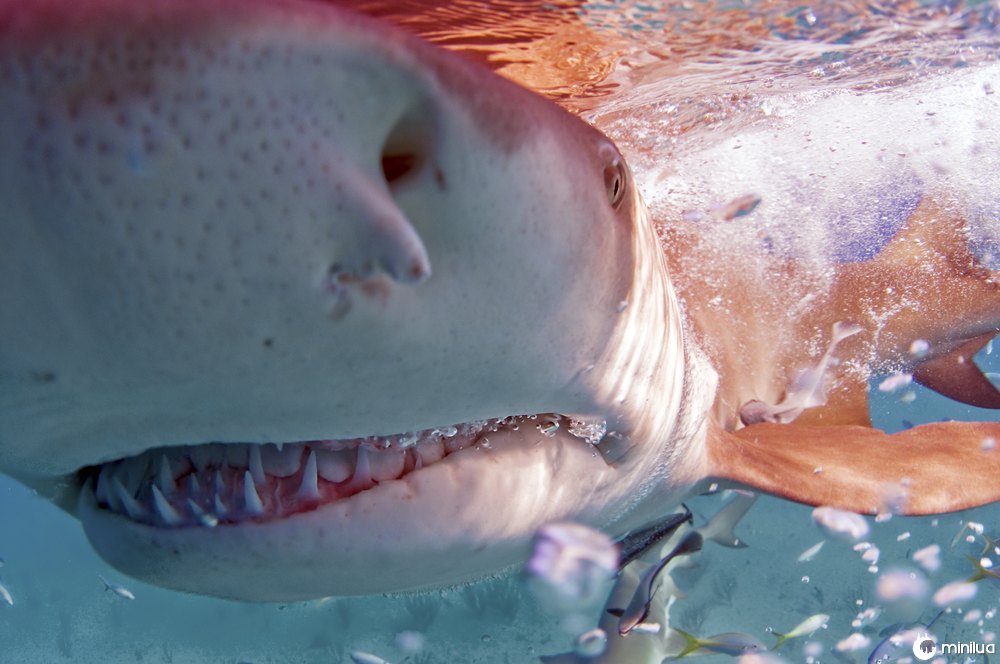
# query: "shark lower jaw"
343 517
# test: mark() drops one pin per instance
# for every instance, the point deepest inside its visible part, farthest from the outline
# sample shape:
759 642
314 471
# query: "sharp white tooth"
165 476
168 515
193 487
251 501
256 466
132 507
220 507
103 488
206 519
280 446
309 488
335 466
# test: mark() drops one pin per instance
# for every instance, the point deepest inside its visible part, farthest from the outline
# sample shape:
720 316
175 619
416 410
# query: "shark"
296 304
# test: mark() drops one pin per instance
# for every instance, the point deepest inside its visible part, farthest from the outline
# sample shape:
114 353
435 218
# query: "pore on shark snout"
282 287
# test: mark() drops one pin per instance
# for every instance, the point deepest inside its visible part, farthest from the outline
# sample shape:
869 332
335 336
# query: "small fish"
121 591
807 626
5 595
638 609
359 657
811 552
899 636
727 643
635 544
740 206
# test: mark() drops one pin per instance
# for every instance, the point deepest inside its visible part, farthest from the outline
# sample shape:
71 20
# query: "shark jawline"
224 484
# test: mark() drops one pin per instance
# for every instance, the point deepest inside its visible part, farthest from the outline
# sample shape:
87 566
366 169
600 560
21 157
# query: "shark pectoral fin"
957 377
929 469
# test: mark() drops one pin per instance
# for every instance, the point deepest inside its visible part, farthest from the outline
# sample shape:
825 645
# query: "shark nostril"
398 166
408 146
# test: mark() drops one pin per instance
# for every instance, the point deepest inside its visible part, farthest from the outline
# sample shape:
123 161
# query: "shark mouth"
231 483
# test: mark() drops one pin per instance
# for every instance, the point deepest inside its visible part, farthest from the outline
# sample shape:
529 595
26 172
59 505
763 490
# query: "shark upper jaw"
286 223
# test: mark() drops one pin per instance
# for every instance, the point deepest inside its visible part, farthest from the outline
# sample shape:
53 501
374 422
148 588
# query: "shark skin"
286 222
248 222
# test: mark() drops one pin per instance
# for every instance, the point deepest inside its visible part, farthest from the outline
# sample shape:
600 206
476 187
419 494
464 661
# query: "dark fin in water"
635 544
929 469
957 377
638 609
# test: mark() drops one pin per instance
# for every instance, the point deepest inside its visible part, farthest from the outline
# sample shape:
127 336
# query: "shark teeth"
218 484
128 502
251 499
256 466
164 510
309 486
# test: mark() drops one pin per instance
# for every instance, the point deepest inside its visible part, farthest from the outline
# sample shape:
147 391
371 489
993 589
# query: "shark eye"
614 181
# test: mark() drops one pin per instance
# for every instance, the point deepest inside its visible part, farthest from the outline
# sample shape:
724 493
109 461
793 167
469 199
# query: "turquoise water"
712 85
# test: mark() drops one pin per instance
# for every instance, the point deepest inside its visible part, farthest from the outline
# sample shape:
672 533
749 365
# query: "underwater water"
669 84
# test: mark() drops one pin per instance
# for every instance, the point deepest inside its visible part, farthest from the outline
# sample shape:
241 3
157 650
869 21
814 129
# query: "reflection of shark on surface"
294 306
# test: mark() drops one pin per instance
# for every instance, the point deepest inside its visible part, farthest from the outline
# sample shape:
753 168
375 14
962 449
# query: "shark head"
296 305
